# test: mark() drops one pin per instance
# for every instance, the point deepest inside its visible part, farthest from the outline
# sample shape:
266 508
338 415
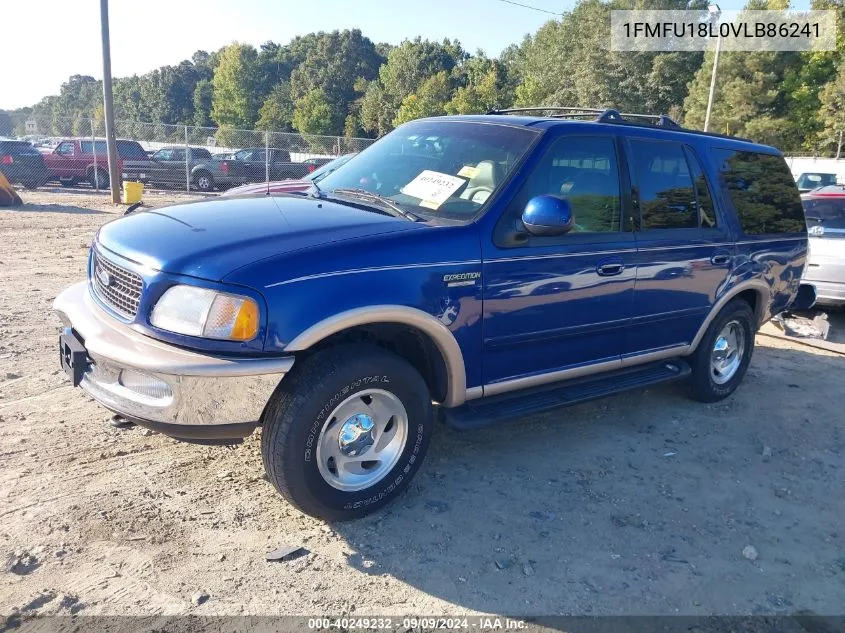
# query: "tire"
325 393
714 377
68 182
203 181
98 176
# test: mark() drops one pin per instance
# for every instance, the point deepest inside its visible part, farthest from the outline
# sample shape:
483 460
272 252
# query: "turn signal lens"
232 317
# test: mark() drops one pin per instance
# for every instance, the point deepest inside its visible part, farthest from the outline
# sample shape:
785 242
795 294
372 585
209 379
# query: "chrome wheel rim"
728 351
203 182
362 440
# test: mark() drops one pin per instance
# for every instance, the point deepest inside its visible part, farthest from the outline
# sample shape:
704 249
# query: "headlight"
202 312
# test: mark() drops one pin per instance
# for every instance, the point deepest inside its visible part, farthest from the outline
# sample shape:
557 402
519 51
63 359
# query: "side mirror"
547 215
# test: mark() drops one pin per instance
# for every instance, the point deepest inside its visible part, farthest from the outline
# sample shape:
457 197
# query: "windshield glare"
440 168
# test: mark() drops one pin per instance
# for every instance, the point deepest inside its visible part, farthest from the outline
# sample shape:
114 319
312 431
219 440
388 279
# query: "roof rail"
608 115
599 115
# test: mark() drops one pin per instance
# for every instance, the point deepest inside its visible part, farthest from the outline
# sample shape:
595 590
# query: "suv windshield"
439 168
825 216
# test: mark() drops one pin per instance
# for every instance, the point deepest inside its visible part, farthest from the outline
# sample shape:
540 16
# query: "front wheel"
99 179
346 431
724 353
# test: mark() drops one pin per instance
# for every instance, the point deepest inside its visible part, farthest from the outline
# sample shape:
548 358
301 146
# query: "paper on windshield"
433 188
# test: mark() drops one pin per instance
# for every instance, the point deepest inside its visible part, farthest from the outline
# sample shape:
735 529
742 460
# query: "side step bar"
486 411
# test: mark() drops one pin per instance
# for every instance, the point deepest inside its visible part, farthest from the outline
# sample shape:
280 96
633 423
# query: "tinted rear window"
125 149
17 148
825 216
200 153
763 192
130 149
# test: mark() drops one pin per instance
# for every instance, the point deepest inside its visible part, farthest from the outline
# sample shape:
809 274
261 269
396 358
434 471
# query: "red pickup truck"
74 161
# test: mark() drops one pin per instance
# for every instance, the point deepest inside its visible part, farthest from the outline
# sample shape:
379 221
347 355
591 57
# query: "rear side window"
199 153
825 216
18 148
665 185
88 147
763 192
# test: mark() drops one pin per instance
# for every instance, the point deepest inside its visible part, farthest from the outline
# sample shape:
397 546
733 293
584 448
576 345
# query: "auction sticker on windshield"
432 188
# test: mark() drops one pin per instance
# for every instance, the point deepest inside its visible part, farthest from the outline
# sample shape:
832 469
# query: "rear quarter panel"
777 260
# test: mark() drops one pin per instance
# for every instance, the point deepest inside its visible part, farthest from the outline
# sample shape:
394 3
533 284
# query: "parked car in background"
312 164
280 166
172 166
290 186
809 181
82 160
21 163
497 265
825 212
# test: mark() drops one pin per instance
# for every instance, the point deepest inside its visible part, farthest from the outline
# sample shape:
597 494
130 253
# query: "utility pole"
715 13
108 104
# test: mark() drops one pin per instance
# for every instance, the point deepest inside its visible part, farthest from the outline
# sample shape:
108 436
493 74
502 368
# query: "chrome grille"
119 288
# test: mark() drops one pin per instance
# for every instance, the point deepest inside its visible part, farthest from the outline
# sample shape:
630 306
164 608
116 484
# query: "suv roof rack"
609 115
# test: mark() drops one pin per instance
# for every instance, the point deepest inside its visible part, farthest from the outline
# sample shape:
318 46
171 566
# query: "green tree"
313 114
568 63
485 87
276 113
203 97
407 67
429 100
234 102
335 64
832 111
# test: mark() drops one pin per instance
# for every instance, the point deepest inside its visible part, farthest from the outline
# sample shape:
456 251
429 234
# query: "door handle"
608 270
720 260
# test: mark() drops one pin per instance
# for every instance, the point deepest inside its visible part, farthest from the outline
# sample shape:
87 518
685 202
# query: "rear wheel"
346 431
724 353
204 181
99 178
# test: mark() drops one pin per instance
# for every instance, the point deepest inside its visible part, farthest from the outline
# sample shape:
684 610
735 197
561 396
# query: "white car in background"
824 210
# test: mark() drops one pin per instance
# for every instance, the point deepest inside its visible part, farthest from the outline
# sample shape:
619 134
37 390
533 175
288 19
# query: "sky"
54 39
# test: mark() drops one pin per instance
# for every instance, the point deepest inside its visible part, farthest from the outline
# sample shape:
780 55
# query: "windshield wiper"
393 209
317 192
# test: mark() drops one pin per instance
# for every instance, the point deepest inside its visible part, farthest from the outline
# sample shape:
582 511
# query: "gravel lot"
638 504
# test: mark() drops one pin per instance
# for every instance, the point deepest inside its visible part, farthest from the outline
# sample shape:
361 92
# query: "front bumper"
176 391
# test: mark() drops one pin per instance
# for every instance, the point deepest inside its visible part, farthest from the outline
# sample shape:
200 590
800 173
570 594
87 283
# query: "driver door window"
65 149
585 171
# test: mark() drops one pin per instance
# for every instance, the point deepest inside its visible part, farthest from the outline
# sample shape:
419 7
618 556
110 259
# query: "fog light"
145 384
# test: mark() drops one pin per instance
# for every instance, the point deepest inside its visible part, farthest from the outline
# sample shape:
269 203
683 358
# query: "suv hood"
211 239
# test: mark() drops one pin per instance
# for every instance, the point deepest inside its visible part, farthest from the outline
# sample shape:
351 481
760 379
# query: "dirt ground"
637 504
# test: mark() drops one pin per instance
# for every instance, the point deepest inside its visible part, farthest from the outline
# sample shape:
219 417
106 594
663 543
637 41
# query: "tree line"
342 83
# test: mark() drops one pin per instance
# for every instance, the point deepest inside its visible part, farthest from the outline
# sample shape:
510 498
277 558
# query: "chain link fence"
182 156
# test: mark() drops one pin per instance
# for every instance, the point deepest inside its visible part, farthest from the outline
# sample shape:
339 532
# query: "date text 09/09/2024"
479 623
724 30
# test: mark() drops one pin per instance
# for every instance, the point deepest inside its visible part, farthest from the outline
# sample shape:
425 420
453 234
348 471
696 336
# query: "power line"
528 6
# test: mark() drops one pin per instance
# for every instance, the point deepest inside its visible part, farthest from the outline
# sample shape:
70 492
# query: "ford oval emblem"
104 277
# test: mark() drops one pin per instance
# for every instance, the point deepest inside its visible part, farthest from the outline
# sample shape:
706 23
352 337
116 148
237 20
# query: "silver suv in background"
824 209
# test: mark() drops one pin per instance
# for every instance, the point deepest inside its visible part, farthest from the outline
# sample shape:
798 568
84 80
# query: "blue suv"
493 265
